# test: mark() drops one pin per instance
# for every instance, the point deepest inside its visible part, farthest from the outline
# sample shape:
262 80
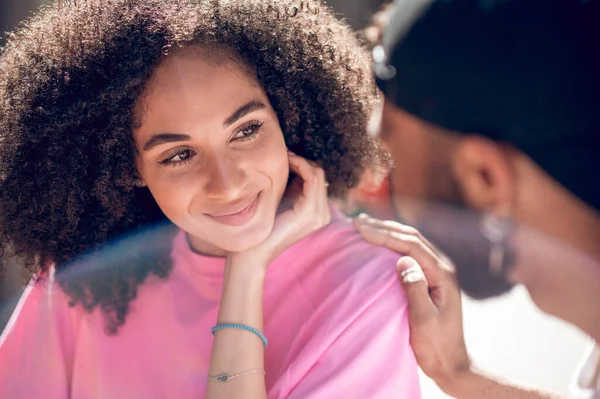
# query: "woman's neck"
204 248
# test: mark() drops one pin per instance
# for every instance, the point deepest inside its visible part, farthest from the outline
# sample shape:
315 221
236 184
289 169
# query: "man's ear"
484 174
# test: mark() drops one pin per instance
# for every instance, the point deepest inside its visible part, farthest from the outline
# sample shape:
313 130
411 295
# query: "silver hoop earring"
496 230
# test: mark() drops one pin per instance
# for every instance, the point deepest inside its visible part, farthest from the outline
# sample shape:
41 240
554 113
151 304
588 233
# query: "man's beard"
456 231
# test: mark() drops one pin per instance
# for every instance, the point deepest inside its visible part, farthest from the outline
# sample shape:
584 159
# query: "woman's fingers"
306 171
314 188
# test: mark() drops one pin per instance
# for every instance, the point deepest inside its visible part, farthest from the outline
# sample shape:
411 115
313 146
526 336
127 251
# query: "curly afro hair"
70 78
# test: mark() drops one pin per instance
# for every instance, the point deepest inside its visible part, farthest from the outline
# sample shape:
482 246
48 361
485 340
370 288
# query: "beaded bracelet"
241 327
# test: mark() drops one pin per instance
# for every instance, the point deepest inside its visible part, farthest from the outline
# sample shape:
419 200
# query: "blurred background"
507 335
11 13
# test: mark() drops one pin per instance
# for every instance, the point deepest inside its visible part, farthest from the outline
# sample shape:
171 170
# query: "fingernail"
363 217
291 152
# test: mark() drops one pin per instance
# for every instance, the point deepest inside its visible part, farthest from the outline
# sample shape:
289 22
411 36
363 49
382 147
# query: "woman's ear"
482 169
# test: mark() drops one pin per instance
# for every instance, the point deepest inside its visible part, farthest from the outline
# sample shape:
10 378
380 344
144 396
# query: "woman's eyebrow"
242 111
162 138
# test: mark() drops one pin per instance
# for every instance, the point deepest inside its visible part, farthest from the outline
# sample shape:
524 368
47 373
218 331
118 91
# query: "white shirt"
587 381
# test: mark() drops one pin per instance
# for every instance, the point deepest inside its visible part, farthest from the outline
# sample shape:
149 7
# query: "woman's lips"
238 218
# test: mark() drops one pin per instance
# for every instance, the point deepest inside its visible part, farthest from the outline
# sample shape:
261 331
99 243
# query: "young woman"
117 115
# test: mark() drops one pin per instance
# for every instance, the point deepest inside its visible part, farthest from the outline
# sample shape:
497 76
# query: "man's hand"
435 312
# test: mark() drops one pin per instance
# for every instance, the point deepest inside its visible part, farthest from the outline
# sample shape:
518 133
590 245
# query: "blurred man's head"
493 105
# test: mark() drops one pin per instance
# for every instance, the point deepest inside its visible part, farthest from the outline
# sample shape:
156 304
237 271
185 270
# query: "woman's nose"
224 178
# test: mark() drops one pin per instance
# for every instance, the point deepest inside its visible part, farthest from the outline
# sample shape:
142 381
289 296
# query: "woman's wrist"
242 294
250 269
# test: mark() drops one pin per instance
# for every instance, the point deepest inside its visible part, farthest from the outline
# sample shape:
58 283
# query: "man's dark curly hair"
69 81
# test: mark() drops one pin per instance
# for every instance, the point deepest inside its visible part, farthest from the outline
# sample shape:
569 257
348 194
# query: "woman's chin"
247 241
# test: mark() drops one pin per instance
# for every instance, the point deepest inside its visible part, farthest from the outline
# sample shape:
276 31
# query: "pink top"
335 317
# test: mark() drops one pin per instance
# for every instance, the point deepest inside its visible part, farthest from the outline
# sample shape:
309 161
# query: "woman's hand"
435 312
236 351
307 212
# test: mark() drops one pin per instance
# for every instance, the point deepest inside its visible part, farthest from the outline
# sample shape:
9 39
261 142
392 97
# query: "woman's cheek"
269 152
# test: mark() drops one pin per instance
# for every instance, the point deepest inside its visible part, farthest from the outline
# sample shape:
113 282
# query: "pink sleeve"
36 345
371 358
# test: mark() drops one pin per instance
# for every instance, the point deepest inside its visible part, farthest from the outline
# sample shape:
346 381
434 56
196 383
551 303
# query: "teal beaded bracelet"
241 327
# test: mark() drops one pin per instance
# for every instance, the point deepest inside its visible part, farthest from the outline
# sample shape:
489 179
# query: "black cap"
524 72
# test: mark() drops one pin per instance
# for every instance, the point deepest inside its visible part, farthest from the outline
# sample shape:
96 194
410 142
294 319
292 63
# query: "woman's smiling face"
211 151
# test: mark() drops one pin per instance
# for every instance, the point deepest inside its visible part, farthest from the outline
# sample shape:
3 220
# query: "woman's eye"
178 158
248 132
182 156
